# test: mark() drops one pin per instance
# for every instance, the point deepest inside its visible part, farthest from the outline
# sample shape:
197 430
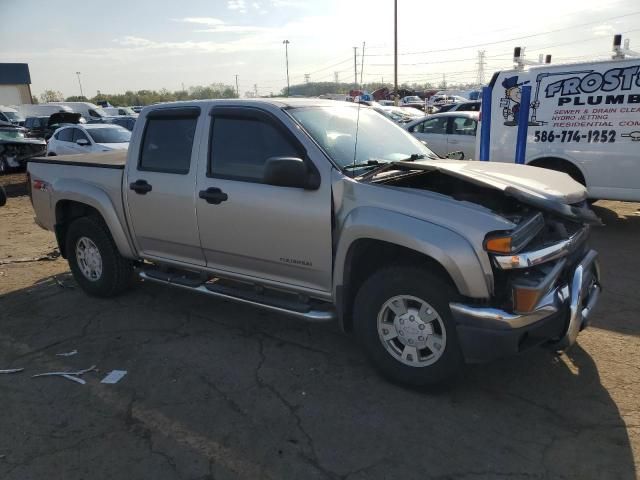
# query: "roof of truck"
281 102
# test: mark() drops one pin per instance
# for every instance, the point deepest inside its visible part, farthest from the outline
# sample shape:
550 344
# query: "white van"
118 111
41 109
584 120
89 111
11 115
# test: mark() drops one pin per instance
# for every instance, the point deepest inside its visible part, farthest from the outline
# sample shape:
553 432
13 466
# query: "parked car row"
61 128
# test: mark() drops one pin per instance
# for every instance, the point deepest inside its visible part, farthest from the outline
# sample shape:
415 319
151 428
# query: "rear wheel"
94 259
403 321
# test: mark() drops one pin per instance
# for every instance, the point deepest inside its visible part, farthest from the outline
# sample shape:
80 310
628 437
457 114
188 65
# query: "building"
15 84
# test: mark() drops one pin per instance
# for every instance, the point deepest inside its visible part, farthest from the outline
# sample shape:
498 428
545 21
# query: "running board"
237 295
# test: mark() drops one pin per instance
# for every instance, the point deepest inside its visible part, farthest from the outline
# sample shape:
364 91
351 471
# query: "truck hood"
545 189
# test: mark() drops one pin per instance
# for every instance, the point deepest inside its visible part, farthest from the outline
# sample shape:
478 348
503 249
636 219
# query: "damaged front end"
16 149
546 280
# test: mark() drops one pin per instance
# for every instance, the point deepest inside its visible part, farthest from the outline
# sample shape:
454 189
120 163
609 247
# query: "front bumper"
489 333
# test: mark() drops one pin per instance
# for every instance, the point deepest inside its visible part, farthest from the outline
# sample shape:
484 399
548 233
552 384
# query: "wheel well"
366 256
66 212
560 165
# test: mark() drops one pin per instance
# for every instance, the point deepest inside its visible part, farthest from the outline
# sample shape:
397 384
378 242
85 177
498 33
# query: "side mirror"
290 172
3 197
83 142
455 155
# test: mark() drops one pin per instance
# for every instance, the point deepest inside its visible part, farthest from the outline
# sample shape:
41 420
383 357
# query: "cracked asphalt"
216 390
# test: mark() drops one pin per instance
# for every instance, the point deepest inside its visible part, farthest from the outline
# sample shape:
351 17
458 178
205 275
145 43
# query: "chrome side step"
308 314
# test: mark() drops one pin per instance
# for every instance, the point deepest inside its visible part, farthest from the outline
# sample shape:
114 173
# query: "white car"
117 111
448 132
399 115
89 138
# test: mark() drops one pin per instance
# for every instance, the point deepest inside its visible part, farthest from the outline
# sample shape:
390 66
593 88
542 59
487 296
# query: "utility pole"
362 66
336 77
255 89
355 65
286 55
307 76
237 89
183 86
395 51
80 83
481 63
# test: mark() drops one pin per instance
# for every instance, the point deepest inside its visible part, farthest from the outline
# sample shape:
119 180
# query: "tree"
51 96
76 98
34 99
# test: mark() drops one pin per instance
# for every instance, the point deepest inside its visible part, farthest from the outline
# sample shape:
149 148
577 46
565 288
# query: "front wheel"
94 259
403 321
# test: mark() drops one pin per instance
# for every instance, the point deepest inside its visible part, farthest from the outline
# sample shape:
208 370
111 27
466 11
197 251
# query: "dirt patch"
220 390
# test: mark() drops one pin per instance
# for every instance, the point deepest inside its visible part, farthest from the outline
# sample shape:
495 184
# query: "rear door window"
167 144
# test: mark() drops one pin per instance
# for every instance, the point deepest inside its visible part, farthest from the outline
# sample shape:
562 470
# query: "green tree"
51 96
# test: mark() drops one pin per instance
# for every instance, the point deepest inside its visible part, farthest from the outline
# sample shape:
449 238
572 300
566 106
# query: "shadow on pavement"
219 390
616 244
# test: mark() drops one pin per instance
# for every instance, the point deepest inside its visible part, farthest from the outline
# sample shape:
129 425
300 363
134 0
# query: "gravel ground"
216 390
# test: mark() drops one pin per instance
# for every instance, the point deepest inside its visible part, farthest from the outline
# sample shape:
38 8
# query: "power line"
548 32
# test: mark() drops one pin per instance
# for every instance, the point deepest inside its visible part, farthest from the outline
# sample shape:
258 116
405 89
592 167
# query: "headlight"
516 240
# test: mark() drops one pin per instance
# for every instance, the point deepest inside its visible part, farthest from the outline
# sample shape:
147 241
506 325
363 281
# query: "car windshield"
13 116
413 99
379 139
11 134
110 134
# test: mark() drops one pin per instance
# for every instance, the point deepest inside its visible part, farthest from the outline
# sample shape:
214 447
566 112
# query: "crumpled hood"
545 189
536 181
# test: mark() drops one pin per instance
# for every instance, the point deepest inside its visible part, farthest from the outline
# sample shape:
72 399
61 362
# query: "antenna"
355 143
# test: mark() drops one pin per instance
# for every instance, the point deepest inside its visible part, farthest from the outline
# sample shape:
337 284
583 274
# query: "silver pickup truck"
326 210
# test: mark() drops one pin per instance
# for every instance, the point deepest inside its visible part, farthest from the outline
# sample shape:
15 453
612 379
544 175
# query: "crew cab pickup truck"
328 211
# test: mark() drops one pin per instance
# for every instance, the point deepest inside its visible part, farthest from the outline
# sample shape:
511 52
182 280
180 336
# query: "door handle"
213 195
141 187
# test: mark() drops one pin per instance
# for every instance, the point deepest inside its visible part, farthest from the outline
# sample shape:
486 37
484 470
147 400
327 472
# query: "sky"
120 45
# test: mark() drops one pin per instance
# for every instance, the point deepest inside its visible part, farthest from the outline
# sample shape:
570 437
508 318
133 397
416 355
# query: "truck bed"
115 159
78 177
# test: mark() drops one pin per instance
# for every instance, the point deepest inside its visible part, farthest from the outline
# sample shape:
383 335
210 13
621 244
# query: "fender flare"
456 255
95 197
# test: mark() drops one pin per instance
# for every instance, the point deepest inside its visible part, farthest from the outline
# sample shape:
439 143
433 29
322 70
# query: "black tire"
116 271
428 287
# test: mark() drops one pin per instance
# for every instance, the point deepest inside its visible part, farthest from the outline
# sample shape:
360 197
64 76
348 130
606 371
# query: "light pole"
286 55
237 89
80 83
395 52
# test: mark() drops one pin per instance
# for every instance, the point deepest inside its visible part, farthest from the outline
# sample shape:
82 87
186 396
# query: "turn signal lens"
525 299
498 244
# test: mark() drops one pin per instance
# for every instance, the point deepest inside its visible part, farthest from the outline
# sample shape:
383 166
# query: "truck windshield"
11 134
13 116
110 134
379 139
